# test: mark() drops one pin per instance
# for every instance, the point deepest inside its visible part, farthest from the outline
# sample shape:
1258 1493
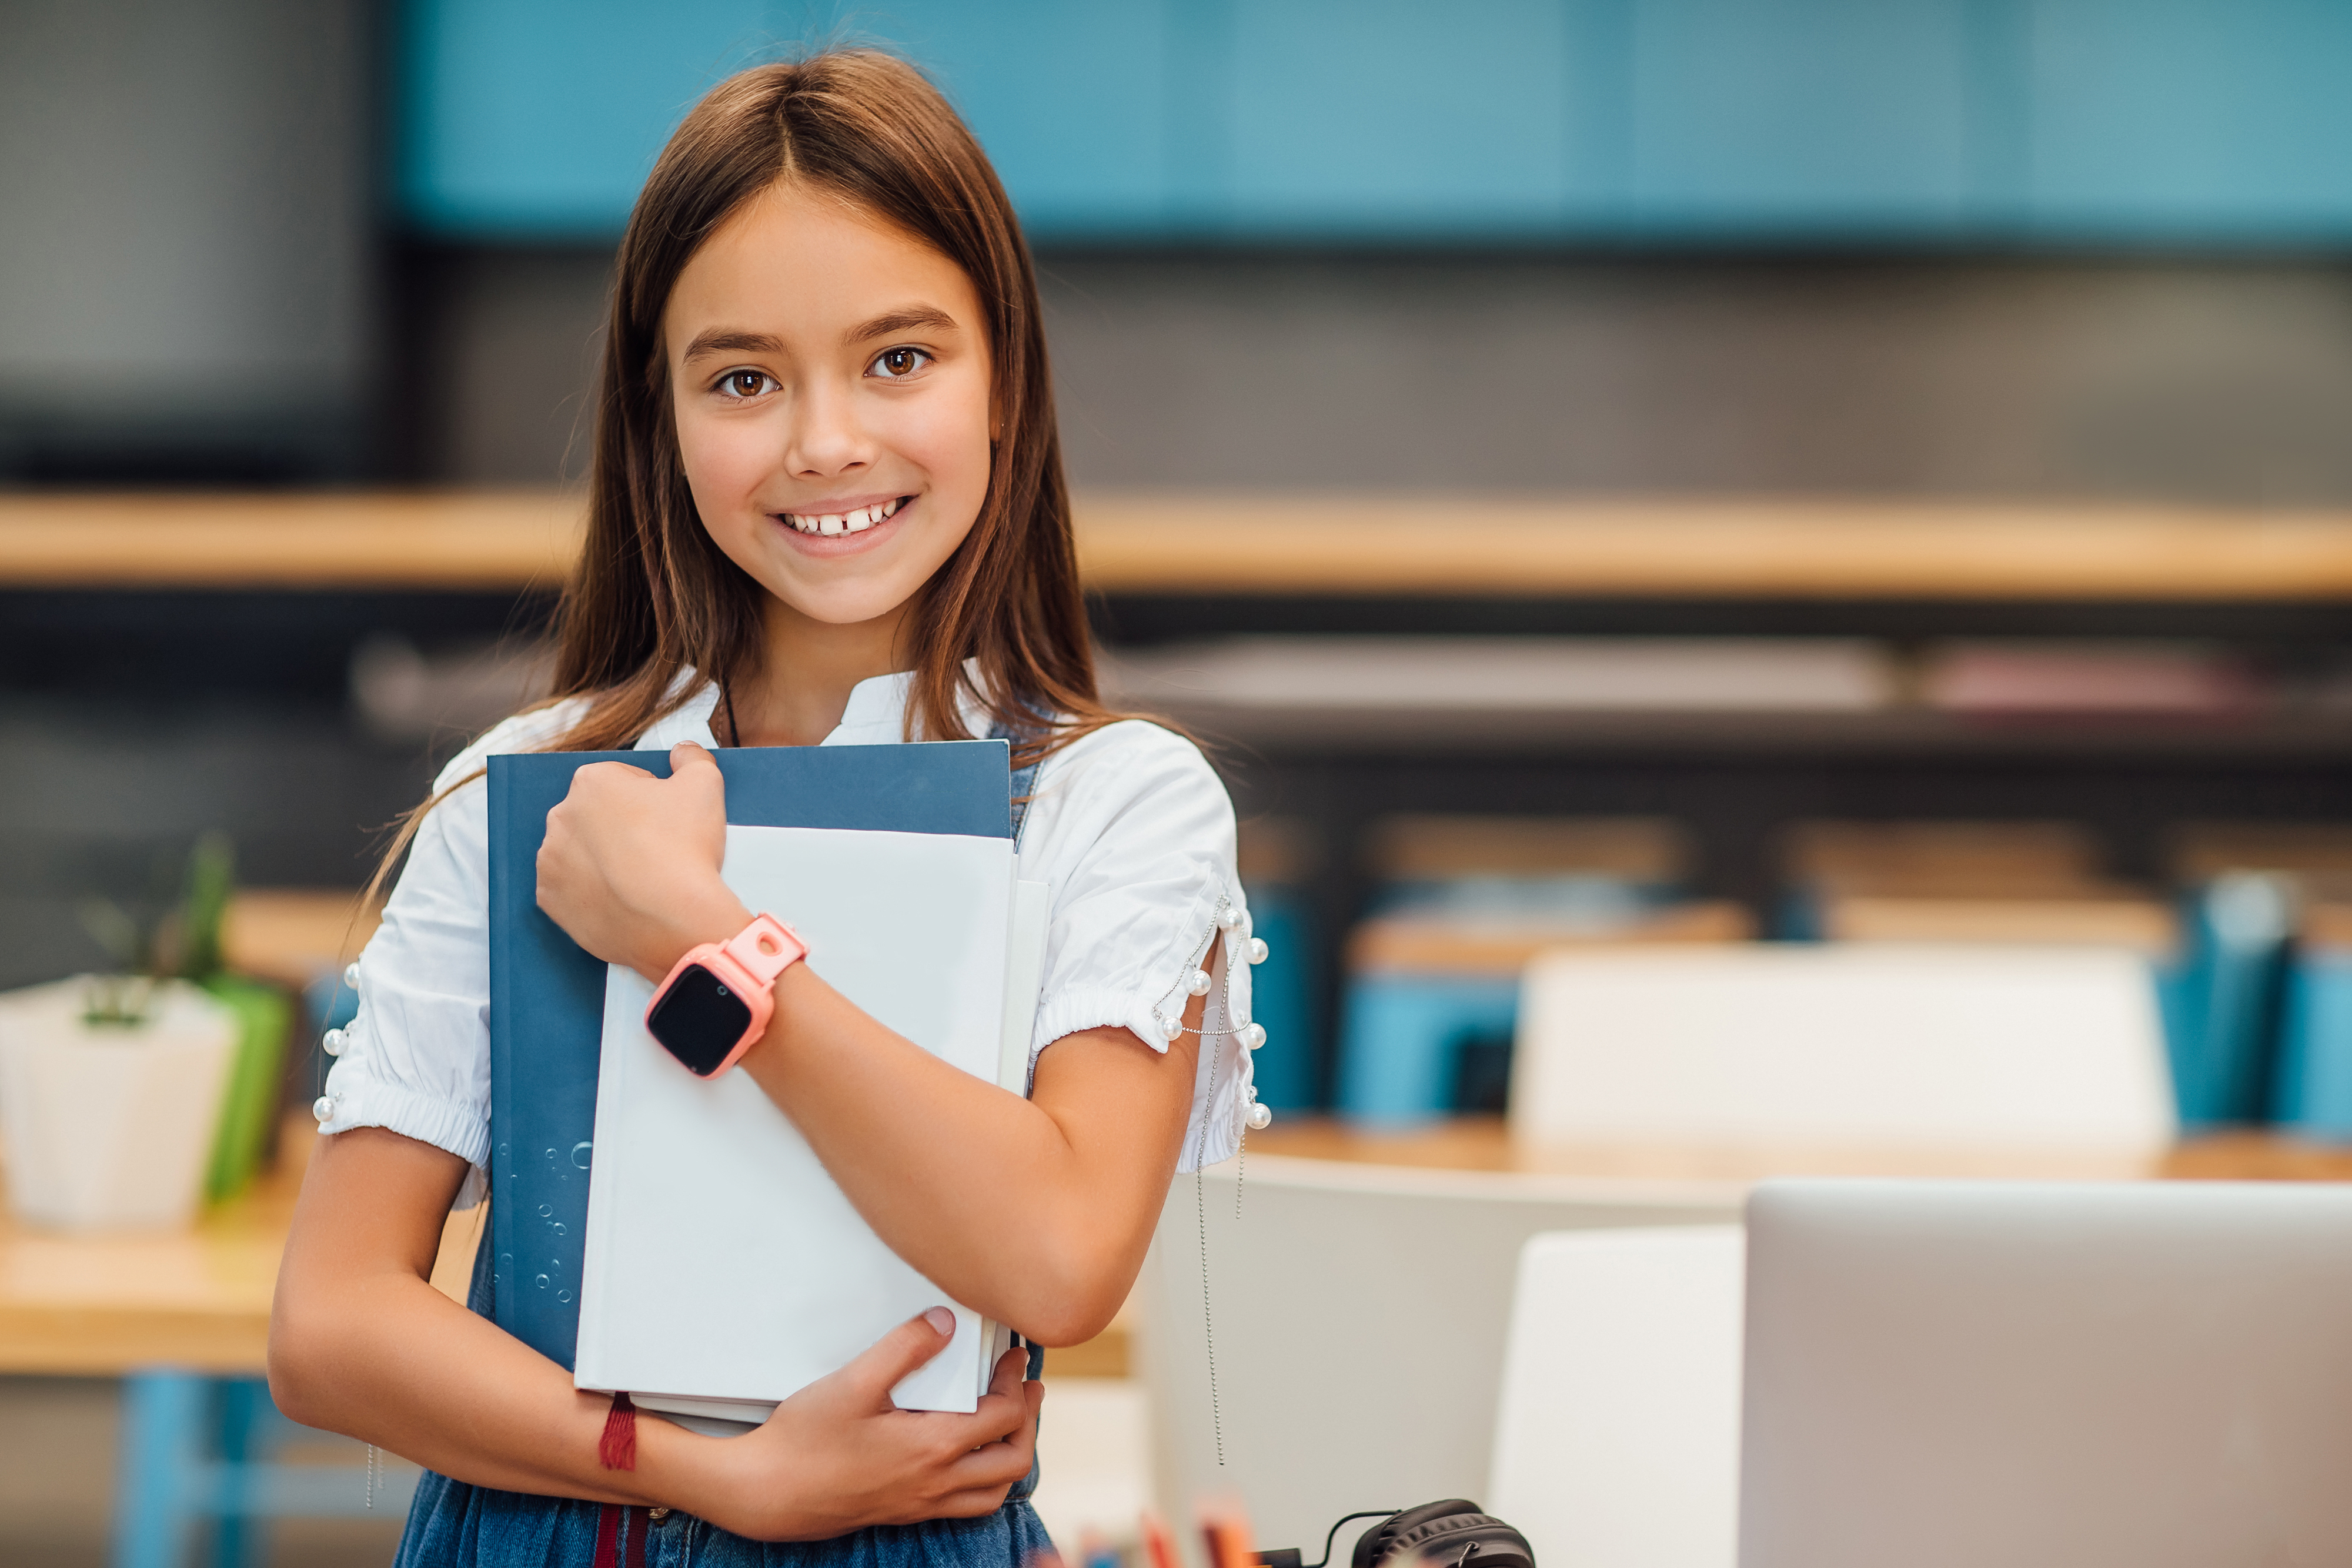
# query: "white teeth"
856 522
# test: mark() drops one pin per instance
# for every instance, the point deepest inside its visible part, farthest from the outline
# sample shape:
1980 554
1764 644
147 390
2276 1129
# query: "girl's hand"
839 1456
630 865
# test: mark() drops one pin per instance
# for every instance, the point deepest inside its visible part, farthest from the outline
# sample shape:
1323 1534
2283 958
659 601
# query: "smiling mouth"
832 523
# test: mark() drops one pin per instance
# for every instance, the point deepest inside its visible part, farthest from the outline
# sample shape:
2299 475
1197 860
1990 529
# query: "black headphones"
1448 1534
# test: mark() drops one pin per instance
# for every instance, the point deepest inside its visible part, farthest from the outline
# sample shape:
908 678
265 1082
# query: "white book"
724 1268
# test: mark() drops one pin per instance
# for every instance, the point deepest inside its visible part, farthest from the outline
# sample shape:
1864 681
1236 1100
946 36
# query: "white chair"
1617 1431
1359 1316
1998 1049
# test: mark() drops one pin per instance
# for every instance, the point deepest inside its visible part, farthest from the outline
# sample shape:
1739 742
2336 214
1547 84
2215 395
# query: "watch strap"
766 948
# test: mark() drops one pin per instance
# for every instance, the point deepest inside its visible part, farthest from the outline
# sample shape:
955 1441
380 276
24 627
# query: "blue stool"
1401 1040
2221 1008
2314 1091
1409 1017
195 1448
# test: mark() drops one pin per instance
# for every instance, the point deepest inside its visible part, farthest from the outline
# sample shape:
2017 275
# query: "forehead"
800 263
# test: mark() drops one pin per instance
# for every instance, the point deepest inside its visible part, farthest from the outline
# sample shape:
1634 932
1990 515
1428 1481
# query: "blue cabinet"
529 118
1396 117
1804 117
1072 99
1740 121
2191 119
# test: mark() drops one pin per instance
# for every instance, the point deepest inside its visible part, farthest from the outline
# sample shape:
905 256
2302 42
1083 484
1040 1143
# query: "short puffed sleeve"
416 1058
1133 833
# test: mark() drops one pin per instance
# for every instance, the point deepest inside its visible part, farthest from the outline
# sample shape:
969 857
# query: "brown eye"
894 363
745 383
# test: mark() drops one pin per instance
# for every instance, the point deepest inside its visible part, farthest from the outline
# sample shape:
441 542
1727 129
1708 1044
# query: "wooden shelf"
1827 550
484 541
1401 545
2288 736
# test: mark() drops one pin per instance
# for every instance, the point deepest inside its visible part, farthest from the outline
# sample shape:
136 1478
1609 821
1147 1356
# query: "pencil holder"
110 1124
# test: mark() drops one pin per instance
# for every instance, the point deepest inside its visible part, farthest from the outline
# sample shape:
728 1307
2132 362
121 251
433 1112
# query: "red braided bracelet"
618 1446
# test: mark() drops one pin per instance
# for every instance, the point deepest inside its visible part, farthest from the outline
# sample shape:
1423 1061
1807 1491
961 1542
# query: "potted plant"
128 1098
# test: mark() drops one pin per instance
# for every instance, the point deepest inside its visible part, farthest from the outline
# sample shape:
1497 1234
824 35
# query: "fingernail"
941 1319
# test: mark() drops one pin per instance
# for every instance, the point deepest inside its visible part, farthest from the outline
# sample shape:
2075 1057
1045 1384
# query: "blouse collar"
875 713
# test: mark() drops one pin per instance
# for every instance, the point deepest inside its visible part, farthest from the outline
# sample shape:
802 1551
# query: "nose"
826 438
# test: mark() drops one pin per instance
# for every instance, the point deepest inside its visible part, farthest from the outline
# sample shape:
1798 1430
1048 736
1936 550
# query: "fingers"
1009 1368
997 1417
994 1464
696 771
1003 1416
901 1351
687 759
597 773
1007 1415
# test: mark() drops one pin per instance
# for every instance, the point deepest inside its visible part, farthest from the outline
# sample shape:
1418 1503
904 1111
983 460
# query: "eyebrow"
906 318
717 340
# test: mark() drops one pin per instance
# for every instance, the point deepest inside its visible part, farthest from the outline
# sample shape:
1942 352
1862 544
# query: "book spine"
499 1239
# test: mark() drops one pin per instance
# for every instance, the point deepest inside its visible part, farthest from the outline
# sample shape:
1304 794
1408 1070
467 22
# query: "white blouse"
1128 827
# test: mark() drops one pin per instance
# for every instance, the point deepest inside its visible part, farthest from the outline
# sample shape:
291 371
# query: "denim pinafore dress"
452 1525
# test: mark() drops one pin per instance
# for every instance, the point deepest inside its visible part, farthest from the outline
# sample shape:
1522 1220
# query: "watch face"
700 1018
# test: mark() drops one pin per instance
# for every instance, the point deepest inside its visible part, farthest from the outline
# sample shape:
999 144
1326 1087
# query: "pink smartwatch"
715 1002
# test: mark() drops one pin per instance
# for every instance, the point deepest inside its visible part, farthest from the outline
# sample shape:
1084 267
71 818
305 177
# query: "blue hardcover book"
546 994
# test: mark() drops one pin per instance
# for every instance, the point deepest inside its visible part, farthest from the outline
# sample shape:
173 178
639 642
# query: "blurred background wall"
1977 245
1972 246
189 268
1866 254
2010 248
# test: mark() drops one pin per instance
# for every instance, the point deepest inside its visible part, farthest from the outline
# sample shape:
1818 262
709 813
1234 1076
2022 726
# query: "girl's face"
830 377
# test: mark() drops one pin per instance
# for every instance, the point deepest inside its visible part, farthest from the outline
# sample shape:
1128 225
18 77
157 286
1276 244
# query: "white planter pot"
107 1127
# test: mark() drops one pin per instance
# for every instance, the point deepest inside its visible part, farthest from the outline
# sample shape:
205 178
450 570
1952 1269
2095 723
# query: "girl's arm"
1035 1212
361 1343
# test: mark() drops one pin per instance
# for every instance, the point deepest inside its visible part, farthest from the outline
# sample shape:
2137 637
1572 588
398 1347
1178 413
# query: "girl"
826 508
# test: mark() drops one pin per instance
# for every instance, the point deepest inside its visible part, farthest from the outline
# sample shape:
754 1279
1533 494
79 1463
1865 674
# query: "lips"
832 523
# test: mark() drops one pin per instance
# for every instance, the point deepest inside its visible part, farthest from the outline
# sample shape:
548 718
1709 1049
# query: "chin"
838 608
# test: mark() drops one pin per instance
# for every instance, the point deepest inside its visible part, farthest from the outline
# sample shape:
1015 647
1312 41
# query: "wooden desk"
198 1299
1483 1144
102 1305
1388 543
106 1304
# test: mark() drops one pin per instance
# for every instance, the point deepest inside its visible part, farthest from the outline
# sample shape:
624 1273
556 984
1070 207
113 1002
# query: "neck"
798 696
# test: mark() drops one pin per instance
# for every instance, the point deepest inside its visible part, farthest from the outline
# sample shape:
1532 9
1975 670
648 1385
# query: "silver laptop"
1959 1374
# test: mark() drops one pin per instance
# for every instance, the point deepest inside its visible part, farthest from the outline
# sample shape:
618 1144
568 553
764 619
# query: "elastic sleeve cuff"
1093 1007
363 1102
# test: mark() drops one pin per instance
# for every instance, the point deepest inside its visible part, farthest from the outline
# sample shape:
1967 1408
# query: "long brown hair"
653 595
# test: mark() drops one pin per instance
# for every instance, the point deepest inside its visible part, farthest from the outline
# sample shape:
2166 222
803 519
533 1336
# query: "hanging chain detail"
1208 1326
1200 1192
